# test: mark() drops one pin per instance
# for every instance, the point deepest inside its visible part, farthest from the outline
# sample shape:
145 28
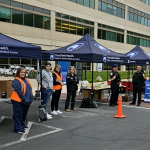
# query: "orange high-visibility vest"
14 95
58 79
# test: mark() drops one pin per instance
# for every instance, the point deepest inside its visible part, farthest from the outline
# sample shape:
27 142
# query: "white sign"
99 67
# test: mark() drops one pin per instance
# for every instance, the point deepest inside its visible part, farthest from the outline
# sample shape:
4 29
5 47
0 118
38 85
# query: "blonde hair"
73 69
57 66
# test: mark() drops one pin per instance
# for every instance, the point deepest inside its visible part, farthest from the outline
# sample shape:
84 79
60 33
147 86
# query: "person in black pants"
72 87
57 87
138 81
115 81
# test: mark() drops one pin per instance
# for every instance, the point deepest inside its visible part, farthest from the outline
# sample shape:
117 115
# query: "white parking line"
2 118
24 136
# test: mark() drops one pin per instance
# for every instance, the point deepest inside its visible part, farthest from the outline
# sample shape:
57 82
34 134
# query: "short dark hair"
19 70
47 64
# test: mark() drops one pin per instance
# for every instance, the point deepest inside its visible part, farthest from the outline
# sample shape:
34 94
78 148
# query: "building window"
110 33
38 21
5 14
86 66
46 23
28 19
73 25
16 4
138 39
145 1
112 7
29 7
138 17
17 16
7 2
88 3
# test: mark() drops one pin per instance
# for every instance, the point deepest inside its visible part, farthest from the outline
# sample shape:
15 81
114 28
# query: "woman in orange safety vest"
57 87
21 99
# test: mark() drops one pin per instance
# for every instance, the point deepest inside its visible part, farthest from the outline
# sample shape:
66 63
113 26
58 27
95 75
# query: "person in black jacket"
72 81
138 81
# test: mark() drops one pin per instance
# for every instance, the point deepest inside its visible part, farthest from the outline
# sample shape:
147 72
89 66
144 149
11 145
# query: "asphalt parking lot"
84 129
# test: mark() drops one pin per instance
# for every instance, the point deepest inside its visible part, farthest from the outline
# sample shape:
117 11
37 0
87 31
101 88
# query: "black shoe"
131 103
116 104
138 104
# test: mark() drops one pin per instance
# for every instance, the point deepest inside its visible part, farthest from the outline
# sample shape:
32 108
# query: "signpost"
147 92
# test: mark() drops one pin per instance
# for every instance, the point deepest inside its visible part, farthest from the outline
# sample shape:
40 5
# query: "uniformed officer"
115 81
138 79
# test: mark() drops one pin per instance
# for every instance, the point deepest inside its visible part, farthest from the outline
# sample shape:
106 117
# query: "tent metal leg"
107 74
92 93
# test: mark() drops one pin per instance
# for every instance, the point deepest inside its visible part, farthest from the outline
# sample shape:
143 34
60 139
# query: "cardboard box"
5 86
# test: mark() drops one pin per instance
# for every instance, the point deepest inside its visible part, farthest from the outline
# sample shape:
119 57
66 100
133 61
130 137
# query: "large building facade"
115 24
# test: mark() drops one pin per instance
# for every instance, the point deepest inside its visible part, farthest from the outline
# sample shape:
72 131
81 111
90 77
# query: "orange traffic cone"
120 112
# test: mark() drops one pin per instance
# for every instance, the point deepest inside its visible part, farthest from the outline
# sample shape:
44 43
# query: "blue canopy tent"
12 48
138 56
85 50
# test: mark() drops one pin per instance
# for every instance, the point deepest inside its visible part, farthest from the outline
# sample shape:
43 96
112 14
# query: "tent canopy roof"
85 49
13 48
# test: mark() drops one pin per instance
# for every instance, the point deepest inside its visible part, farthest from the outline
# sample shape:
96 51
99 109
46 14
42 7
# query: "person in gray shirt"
47 85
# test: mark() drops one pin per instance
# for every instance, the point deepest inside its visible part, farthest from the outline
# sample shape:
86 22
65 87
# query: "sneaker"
49 116
20 132
67 110
74 109
138 104
54 113
59 112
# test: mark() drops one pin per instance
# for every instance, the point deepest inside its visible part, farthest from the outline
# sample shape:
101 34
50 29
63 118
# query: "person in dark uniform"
138 80
115 81
72 87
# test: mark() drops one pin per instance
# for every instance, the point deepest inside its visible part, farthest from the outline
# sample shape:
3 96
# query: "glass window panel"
139 19
131 16
128 17
145 43
46 11
92 23
135 18
3 61
148 43
119 12
138 41
73 1
146 23
104 34
58 15
73 18
114 37
25 6
130 40
65 16
86 21
122 38
109 9
5 14
38 21
110 1
72 28
14 60
134 40
123 13
142 20
92 3
149 22
127 39
37 9
80 2
25 61
118 37
16 4
87 3
80 20
123 5
104 7
119 4
17 16
65 26
58 25
99 34
114 2
92 32
5 2
99 5
114 10
47 23
86 30
28 19
79 29
141 42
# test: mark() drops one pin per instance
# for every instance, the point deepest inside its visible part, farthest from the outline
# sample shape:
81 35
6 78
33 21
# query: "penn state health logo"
75 46
104 59
52 57
132 54
102 48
